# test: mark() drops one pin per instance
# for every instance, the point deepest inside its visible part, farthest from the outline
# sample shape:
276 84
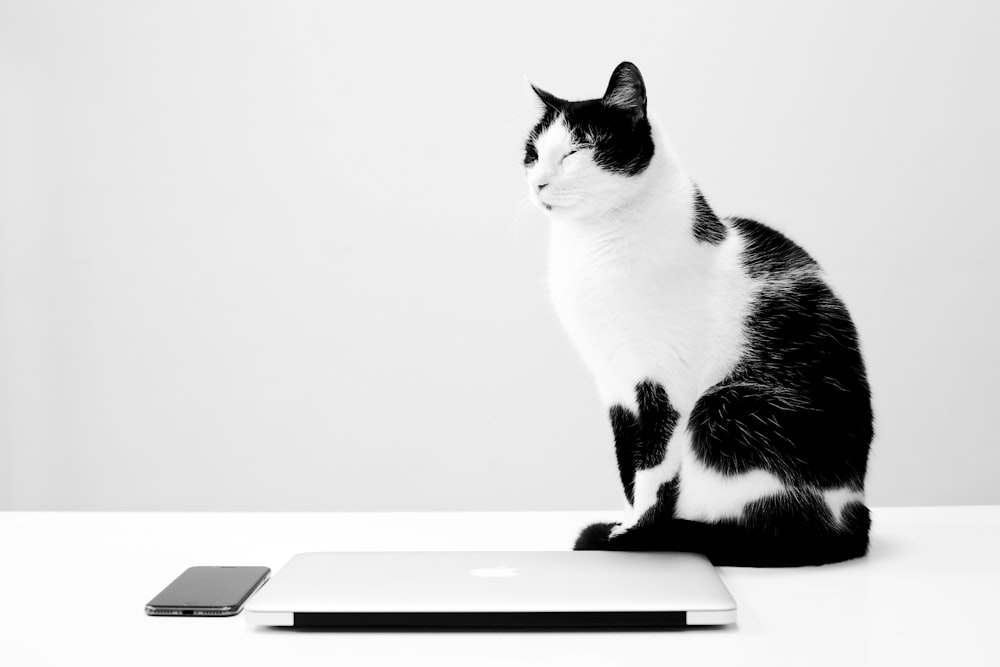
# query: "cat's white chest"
634 312
669 310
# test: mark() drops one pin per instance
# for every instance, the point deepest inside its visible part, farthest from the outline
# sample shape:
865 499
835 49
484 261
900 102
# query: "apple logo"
501 571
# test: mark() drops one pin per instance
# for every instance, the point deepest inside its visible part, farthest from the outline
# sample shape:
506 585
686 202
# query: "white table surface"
74 586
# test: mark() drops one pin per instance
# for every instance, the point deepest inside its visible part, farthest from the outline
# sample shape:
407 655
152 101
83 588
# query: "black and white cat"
732 373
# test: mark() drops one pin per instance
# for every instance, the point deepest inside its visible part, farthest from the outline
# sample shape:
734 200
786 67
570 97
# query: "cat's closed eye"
575 150
530 155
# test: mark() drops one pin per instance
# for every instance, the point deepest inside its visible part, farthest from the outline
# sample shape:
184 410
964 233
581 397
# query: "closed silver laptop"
497 589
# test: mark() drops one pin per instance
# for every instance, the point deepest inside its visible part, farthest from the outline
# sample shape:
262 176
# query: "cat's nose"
542 186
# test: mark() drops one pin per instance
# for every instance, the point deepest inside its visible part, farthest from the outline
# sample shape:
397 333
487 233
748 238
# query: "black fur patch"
641 440
801 514
623 424
855 519
707 227
798 404
594 537
767 250
621 144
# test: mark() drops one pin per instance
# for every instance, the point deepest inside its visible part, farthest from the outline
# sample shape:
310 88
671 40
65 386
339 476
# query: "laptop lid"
500 589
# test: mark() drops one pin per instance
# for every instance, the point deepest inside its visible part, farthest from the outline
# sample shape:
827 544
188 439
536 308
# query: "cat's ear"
626 91
545 98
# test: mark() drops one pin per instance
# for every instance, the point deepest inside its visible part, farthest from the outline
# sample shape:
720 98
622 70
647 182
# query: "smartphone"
208 591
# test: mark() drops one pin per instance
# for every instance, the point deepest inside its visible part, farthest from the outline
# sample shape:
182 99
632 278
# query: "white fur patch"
707 495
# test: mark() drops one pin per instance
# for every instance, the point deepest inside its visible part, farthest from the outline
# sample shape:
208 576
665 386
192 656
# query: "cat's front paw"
595 537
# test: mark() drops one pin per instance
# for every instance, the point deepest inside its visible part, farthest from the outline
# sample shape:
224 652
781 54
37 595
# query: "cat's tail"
730 543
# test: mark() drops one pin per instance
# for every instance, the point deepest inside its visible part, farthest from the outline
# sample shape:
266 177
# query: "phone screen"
208 591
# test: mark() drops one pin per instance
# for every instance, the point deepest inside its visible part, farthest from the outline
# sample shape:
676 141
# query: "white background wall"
276 255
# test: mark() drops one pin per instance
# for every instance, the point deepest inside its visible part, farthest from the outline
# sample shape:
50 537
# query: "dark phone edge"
192 611
228 610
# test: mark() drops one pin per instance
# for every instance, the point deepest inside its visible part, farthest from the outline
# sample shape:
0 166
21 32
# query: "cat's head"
582 158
